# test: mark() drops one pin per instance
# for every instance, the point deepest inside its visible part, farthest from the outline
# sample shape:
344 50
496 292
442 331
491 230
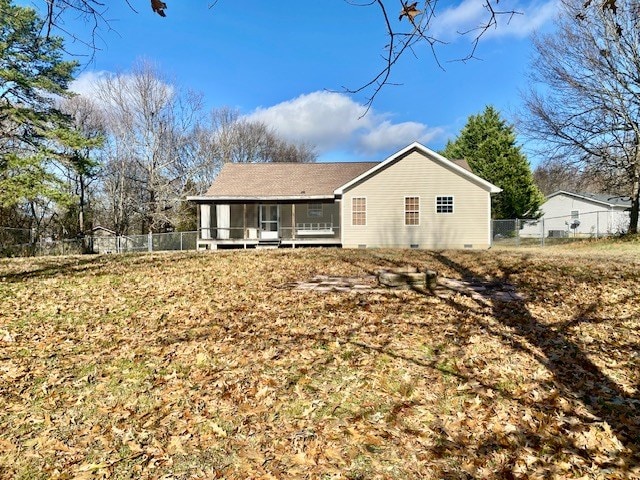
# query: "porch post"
205 221
244 222
198 223
293 221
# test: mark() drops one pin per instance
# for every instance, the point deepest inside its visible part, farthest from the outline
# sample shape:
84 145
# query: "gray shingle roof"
610 199
284 179
463 163
615 200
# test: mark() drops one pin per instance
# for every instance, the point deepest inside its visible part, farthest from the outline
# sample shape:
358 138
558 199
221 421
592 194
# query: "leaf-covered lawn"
211 366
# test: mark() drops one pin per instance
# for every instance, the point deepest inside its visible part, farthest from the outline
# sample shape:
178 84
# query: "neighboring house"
581 214
105 240
414 199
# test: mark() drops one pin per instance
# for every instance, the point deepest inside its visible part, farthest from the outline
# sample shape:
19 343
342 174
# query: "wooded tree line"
124 156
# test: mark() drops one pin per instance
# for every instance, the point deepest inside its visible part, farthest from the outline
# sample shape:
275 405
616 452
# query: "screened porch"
252 224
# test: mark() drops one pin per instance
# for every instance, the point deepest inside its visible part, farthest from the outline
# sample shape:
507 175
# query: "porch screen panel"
223 216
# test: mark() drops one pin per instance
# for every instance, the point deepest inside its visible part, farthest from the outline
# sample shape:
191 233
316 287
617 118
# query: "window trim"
315 212
453 203
365 211
417 211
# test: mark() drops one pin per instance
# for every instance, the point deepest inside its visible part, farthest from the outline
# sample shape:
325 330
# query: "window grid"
314 210
412 210
444 204
575 214
358 211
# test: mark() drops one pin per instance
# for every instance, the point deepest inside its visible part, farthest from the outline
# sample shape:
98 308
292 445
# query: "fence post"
150 242
517 232
597 225
180 241
542 236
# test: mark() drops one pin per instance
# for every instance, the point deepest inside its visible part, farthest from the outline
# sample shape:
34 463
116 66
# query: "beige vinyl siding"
416 175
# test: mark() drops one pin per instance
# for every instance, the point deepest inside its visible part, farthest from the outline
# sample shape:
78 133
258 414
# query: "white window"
444 204
358 211
575 214
314 210
412 210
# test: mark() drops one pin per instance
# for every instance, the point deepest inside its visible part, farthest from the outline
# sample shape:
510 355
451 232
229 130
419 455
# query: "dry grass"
205 366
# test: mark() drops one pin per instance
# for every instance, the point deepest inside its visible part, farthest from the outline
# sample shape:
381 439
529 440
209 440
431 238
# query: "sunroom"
267 222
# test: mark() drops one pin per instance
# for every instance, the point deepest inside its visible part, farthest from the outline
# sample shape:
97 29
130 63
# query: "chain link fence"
152 242
18 243
522 232
14 241
508 233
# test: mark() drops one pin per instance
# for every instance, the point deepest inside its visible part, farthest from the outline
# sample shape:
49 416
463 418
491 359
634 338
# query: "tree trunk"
81 209
635 206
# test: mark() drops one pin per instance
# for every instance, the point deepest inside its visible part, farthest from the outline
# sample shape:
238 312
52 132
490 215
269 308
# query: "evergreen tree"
488 144
33 76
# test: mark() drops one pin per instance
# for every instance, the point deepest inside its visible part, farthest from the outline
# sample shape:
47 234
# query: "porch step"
264 244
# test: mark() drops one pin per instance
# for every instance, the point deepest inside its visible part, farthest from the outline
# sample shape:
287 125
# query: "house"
416 198
104 240
569 214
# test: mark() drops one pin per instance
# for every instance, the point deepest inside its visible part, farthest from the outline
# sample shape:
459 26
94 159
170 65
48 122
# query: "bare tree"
149 122
227 137
588 111
556 174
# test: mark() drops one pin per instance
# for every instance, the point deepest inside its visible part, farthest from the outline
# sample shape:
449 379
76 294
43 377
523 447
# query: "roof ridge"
346 162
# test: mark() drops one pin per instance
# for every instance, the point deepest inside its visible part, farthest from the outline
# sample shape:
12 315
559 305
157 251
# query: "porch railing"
301 231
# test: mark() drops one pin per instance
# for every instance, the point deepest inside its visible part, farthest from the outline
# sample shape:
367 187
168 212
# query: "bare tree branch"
412 29
403 39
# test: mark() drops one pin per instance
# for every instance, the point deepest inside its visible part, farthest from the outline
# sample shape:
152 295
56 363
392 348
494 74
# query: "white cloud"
325 119
333 121
86 82
470 15
107 89
389 135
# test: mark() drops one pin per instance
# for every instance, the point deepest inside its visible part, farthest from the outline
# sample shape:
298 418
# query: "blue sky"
287 63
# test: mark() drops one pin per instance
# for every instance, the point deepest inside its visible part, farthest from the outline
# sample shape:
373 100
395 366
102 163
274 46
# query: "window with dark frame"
358 211
412 210
444 204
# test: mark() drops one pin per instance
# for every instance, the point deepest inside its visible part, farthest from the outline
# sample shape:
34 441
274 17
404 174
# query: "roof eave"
255 198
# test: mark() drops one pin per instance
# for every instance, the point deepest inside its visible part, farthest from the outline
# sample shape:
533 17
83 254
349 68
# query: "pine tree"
488 144
33 77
